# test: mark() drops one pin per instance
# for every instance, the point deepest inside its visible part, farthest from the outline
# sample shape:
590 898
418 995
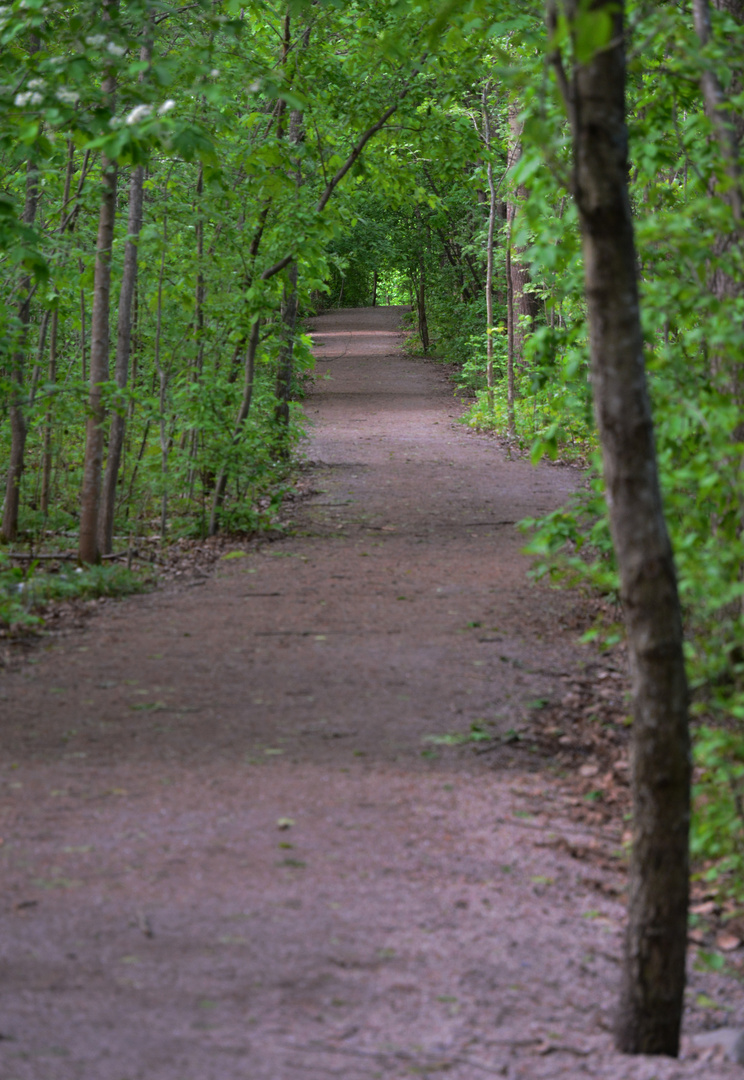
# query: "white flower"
67 97
30 97
95 40
116 50
115 122
255 86
166 107
36 84
139 112
214 73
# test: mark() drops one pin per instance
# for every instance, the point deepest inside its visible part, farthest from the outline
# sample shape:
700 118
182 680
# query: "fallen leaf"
284 822
727 942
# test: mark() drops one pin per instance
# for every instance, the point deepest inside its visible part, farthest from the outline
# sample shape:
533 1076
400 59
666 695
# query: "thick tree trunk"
121 366
88 549
654 967
18 429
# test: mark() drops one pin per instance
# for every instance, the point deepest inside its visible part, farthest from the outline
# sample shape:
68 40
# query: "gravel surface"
234 844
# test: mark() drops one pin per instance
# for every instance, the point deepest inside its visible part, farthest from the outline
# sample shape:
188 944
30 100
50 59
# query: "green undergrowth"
25 591
572 547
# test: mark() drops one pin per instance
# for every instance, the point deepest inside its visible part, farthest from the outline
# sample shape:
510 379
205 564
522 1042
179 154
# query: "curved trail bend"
229 853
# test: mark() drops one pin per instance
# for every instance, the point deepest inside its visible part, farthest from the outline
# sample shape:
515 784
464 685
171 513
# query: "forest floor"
231 849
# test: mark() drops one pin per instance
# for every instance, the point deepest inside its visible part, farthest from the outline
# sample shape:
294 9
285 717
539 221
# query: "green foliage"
718 836
25 591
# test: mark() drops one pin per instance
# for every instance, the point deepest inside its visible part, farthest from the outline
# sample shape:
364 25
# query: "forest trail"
230 850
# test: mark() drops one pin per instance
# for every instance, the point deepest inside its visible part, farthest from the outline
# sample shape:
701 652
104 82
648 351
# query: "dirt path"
230 851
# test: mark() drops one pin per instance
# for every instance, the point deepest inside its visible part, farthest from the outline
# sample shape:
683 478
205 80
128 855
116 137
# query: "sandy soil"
231 850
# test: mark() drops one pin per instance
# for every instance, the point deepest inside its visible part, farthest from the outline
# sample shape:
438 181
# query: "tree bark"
18 428
285 365
245 408
489 249
88 549
121 365
123 344
654 966
90 497
524 305
510 345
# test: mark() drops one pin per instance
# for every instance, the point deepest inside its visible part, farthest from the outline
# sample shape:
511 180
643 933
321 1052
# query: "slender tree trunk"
18 428
654 967
510 389
285 365
90 498
423 324
200 291
489 250
525 305
46 453
245 407
162 375
123 346
121 367
67 225
88 549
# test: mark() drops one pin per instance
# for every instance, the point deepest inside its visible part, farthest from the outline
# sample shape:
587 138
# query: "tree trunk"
729 132
245 408
121 366
285 366
67 224
489 250
525 305
18 428
510 344
654 967
88 550
90 498
423 325
123 344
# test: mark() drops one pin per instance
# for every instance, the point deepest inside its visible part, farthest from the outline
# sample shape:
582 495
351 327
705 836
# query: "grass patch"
25 591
